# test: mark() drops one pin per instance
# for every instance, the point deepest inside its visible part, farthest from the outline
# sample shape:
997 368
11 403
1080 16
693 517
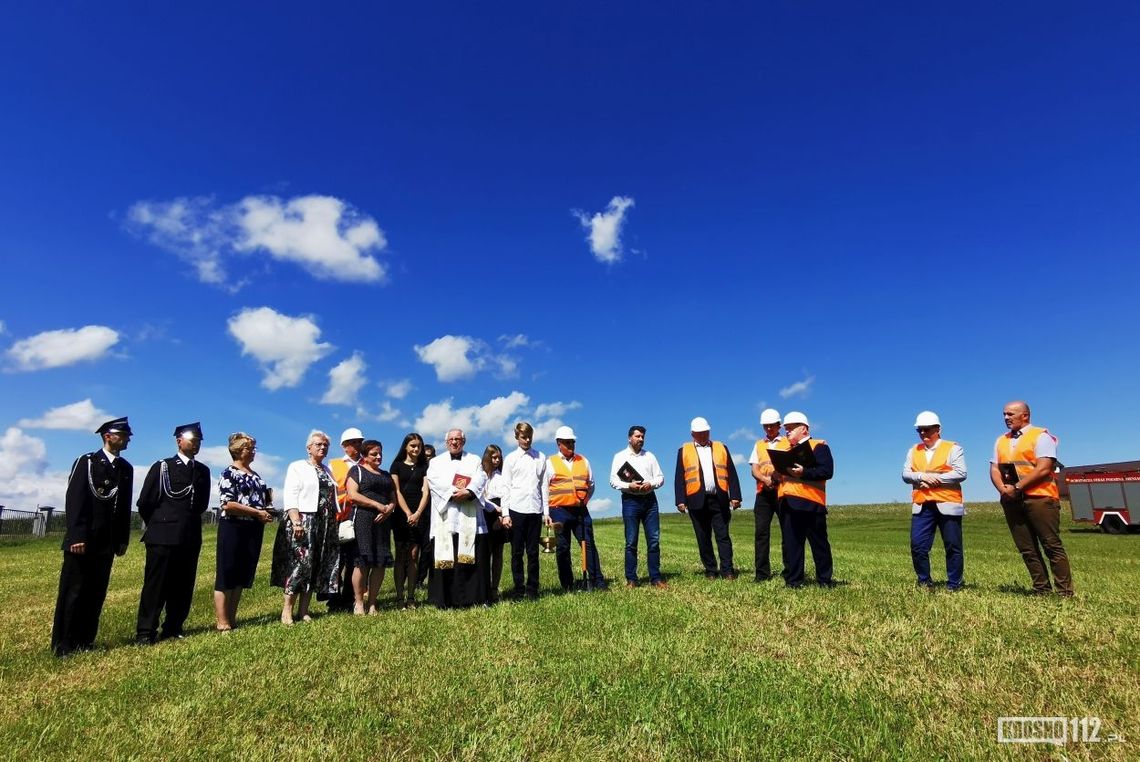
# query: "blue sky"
592 214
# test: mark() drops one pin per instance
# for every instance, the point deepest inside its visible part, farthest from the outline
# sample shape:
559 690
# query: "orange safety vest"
765 462
570 485
943 493
1024 459
340 468
691 464
792 487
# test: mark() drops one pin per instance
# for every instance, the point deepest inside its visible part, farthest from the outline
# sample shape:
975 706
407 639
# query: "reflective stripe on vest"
1024 460
793 487
691 463
570 485
943 493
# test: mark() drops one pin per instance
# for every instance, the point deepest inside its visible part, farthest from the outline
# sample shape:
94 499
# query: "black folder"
1008 473
628 473
800 455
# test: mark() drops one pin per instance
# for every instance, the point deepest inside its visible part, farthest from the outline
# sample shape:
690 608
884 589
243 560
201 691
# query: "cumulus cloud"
475 420
25 481
739 459
324 235
555 408
798 389
284 346
600 505
344 381
458 357
67 346
78 416
605 229
397 390
387 412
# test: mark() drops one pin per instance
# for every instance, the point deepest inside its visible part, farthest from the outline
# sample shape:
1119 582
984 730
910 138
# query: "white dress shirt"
956 475
524 478
644 462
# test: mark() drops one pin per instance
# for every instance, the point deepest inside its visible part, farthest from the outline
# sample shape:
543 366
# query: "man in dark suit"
707 488
174 495
98 506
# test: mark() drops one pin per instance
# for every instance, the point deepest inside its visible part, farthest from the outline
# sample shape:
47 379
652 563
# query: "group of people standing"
452 516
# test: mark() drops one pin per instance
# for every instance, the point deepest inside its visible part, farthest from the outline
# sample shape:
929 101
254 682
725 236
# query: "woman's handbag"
346 531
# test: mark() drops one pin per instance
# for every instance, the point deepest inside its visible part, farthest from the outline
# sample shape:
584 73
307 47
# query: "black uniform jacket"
174 520
94 518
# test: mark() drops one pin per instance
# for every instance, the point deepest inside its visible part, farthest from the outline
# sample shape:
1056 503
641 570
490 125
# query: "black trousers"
168 582
525 530
712 520
83 581
766 507
798 526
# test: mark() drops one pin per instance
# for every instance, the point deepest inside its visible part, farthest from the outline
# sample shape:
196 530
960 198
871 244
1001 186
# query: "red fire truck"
1105 494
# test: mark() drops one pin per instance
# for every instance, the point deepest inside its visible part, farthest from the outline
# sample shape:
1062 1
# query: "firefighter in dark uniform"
174 495
98 507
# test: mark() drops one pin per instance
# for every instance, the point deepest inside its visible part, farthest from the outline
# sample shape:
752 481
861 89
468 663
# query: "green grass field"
704 670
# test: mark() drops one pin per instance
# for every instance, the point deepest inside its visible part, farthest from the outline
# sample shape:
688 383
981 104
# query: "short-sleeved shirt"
411 483
236 486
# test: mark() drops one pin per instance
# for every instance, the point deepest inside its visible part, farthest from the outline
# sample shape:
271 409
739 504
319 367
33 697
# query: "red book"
460 482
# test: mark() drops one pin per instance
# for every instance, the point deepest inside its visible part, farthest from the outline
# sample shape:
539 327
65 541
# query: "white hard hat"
771 415
927 418
564 432
699 424
350 434
795 417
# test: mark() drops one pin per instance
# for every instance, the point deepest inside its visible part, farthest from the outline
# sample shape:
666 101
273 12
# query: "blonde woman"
244 503
306 555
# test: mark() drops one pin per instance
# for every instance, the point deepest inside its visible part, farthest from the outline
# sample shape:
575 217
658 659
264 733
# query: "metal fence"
46 521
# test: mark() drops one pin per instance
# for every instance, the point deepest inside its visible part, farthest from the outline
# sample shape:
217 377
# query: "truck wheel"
1113 525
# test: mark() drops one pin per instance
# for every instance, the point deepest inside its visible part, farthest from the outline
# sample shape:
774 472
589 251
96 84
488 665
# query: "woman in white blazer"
306 553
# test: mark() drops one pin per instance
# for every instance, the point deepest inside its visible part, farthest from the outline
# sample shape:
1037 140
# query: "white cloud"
555 408
605 229
78 416
3 328
475 420
517 340
284 346
67 346
599 505
387 412
739 458
397 390
458 357
798 389
744 433
344 381
324 235
25 481
544 430
321 233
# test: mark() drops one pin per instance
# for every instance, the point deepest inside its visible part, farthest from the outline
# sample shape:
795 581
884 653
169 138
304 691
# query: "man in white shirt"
636 474
706 487
524 509
767 494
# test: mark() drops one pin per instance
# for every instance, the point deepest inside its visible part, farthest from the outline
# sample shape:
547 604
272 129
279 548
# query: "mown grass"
874 669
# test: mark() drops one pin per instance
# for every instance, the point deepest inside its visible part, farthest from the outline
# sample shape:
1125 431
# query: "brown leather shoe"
660 584
631 585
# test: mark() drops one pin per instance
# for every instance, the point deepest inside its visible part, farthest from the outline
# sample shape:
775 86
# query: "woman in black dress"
244 502
412 521
372 493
